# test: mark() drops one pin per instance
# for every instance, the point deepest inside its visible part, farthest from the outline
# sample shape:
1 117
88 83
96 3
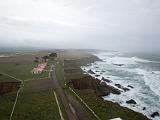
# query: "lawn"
20 67
60 73
6 104
4 78
31 105
39 105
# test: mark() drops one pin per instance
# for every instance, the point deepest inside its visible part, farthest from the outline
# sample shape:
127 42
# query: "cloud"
111 24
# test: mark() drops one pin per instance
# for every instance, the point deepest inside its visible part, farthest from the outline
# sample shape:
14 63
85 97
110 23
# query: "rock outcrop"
90 71
121 87
155 114
131 101
100 88
106 80
130 86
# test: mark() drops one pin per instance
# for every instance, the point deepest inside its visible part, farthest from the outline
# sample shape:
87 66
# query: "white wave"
146 91
116 58
152 79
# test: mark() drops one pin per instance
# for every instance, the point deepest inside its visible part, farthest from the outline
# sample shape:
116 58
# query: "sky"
127 25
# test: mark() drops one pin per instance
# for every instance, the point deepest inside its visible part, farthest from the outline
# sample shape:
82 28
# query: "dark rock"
130 86
131 102
125 89
106 80
118 85
144 108
90 71
121 87
97 75
100 88
97 71
0 74
118 64
103 84
155 114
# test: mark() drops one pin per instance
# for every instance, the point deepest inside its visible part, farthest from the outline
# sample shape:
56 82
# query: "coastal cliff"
92 90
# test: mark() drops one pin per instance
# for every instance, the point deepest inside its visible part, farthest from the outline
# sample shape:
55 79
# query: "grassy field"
21 66
60 73
36 100
4 78
36 106
6 104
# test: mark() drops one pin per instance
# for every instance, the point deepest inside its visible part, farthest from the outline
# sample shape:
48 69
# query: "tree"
53 55
45 58
36 59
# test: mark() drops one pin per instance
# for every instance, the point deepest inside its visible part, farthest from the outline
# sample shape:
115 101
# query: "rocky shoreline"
83 80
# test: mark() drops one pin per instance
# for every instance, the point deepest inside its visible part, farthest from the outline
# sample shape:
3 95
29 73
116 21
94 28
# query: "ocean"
139 72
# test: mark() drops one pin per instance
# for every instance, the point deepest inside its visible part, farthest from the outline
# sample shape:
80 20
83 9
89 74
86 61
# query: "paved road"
67 105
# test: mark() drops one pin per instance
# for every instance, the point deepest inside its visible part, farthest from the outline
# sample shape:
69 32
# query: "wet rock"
90 71
118 64
155 114
118 85
131 102
100 88
121 87
103 84
97 75
106 80
130 86
125 89
144 108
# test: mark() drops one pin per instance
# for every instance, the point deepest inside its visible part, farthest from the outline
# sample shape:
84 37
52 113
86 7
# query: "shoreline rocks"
131 101
130 86
106 80
121 87
90 71
155 114
89 82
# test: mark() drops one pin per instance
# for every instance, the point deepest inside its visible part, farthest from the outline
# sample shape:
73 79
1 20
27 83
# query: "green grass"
36 106
91 116
31 105
21 71
62 108
4 78
6 104
60 73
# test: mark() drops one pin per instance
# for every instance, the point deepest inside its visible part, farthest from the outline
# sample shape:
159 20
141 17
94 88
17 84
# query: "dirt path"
67 105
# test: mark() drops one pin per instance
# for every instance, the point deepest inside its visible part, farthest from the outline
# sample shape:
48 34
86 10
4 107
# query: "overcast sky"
100 24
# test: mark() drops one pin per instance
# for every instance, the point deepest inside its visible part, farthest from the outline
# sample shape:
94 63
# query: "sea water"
141 71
